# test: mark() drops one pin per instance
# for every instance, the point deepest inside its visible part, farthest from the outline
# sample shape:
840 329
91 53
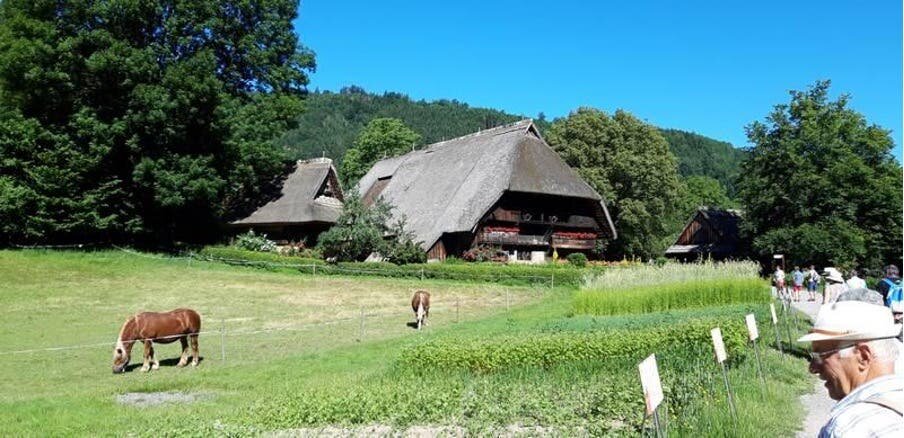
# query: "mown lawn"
296 373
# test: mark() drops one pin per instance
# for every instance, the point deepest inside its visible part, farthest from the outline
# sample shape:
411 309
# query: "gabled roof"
722 223
302 197
448 186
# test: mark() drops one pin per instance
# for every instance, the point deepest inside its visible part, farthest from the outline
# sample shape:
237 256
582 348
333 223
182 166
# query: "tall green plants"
669 287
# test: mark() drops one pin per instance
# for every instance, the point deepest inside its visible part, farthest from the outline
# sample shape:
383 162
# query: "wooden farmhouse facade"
503 187
711 233
309 203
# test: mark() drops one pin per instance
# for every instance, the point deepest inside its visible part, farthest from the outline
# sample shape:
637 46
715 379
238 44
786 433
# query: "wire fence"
366 324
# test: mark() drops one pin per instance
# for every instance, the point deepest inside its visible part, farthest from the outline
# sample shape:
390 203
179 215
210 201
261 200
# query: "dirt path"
818 404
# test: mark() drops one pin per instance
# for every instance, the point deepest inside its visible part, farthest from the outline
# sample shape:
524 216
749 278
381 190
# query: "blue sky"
708 67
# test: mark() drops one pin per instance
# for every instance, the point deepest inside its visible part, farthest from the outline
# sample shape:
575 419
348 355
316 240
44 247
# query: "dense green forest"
332 121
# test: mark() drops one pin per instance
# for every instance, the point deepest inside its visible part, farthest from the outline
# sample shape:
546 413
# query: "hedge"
515 274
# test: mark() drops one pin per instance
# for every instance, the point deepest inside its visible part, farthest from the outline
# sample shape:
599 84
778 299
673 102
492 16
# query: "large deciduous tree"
128 119
381 138
630 164
820 184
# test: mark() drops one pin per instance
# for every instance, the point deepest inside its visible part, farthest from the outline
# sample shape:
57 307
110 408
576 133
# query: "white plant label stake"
778 342
718 344
754 334
721 355
652 388
751 328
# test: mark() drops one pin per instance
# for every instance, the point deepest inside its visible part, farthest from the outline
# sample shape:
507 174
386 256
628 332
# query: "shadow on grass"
171 362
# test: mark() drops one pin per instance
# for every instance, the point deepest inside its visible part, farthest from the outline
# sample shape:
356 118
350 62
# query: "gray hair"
884 350
862 294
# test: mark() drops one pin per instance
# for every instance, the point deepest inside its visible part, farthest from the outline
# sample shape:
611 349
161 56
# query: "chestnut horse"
420 304
163 328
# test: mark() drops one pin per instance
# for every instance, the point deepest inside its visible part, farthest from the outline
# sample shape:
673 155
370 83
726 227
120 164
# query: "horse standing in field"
420 304
163 328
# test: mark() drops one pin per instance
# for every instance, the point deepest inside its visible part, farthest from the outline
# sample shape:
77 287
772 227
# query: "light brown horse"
162 328
420 304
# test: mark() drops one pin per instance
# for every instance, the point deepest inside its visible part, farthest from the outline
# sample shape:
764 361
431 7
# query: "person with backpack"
890 288
812 282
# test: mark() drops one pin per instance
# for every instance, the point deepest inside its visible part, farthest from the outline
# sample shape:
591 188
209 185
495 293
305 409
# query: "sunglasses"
818 357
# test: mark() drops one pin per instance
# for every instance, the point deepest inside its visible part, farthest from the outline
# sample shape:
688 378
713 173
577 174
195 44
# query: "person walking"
812 282
891 282
855 282
853 351
834 285
778 278
797 282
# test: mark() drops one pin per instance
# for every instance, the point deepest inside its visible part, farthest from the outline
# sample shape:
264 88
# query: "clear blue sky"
709 67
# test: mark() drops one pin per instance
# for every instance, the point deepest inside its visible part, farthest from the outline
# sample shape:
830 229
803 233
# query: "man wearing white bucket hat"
854 350
834 285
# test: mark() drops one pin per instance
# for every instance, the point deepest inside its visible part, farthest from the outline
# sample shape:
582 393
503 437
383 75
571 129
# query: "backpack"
895 297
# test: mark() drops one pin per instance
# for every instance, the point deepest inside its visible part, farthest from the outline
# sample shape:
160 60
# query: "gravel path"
818 404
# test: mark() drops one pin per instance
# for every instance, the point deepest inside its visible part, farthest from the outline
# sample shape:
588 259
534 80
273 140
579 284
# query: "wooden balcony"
560 242
513 239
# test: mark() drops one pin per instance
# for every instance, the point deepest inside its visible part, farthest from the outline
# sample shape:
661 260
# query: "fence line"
230 333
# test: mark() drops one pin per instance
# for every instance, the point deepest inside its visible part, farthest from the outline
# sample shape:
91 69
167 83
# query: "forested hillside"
699 155
331 122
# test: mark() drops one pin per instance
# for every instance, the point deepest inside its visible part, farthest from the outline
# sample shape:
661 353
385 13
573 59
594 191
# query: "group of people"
855 348
835 283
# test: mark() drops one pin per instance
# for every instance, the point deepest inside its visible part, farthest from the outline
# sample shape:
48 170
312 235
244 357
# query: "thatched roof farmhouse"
309 203
502 186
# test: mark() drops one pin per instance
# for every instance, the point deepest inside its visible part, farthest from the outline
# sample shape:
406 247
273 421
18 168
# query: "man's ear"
864 354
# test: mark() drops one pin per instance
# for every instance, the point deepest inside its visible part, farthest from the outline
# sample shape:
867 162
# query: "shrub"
578 259
263 259
254 242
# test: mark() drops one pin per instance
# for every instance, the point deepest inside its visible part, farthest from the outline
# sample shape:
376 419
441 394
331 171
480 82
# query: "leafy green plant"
577 259
486 355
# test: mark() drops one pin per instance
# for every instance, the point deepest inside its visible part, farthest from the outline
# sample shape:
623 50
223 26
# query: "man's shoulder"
864 419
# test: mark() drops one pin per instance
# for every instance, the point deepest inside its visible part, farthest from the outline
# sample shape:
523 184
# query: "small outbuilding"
502 187
711 233
309 203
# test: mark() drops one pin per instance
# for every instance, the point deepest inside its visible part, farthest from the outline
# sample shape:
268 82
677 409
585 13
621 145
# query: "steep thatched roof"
448 186
309 194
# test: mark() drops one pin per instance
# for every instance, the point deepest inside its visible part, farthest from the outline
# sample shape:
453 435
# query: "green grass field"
297 359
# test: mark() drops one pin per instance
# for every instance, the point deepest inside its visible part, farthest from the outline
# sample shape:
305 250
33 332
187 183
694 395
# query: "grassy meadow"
511 360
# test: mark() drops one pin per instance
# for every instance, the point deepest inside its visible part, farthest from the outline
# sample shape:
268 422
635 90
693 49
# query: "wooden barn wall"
697 232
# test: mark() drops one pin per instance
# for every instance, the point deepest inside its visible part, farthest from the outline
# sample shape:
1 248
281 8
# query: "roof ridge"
496 130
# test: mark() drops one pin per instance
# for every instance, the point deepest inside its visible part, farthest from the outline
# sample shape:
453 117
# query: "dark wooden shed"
711 233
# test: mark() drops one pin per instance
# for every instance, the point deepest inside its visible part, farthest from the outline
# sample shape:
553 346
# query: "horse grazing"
420 304
163 328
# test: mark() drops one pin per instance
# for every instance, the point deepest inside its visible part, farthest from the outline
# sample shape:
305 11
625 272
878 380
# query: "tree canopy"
703 191
122 119
630 164
381 138
820 184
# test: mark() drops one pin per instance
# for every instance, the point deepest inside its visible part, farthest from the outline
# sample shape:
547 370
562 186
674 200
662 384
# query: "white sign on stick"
718 345
652 386
772 309
751 327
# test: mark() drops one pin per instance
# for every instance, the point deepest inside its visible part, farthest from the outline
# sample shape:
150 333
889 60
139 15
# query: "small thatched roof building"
309 203
711 233
502 186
